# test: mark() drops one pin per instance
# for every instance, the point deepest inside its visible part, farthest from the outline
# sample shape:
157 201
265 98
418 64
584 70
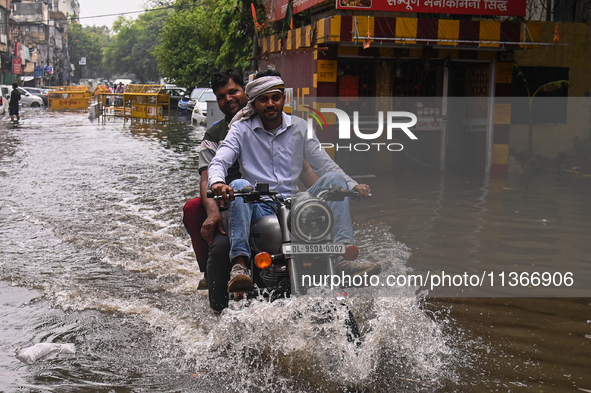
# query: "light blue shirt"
276 159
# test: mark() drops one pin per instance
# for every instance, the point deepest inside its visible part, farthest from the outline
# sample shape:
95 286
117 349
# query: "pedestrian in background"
13 103
120 88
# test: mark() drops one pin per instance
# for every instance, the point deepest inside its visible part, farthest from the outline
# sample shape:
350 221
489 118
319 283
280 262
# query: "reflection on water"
458 224
94 253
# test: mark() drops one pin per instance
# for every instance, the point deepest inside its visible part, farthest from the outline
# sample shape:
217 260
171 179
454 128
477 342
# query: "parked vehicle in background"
187 103
200 111
124 81
43 93
27 99
176 94
3 105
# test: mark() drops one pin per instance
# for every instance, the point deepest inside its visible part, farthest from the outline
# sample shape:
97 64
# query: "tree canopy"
202 36
184 41
131 48
87 42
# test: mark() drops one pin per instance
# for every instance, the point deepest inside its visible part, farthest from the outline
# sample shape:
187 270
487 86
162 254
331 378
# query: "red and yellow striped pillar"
502 119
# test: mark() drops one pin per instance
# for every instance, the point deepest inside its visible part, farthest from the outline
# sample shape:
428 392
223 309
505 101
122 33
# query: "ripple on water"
92 215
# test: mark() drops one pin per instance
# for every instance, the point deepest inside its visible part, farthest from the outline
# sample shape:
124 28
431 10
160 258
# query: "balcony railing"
34 36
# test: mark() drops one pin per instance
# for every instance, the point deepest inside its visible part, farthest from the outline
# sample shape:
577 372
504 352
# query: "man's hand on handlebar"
364 190
223 190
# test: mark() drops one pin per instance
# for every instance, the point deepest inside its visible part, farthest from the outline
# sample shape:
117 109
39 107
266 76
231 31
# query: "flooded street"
94 253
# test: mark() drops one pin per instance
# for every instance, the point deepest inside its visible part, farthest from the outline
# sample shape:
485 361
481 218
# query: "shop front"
452 74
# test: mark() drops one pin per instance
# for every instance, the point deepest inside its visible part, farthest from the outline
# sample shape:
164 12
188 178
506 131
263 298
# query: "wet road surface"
94 253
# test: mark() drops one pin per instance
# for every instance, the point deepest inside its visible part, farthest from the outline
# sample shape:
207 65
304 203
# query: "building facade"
5 52
458 65
38 41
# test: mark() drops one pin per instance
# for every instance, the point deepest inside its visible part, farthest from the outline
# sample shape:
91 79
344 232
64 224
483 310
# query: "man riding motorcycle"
271 147
202 217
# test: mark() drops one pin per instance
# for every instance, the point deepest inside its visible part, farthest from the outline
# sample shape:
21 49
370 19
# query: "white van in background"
124 81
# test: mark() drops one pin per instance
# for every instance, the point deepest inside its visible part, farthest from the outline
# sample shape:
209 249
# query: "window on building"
548 107
363 72
560 10
2 25
417 78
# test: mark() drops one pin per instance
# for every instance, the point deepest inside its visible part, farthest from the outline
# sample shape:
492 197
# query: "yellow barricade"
148 102
110 104
101 89
69 97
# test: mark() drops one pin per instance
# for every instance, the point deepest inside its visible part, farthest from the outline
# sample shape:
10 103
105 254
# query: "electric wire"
44 21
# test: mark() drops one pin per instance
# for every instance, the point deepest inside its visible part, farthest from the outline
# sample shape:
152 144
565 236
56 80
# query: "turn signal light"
351 252
263 260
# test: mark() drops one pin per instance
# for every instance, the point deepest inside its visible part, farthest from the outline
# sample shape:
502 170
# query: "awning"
401 32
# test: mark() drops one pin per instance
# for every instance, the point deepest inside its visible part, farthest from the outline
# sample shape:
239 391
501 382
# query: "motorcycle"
293 243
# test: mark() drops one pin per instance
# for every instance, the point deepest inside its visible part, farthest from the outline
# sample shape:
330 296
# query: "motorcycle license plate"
332 248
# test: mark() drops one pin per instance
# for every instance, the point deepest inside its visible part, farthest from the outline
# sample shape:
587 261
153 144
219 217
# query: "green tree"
131 49
84 42
214 34
102 34
186 54
235 26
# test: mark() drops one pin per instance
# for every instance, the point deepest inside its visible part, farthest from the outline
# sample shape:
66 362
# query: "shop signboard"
327 71
276 9
465 7
17 66
39 71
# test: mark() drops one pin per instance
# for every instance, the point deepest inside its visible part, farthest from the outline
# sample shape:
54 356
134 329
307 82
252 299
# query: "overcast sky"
103 7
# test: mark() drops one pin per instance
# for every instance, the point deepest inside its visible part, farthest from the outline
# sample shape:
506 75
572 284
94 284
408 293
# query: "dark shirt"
211 141
15 97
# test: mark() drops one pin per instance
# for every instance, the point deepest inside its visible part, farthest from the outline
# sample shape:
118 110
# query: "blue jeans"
242 215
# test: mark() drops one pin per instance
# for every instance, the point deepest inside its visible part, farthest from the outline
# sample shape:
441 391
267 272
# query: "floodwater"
93 252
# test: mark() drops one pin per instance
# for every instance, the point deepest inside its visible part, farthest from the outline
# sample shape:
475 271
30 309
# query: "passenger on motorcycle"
201 216
271 147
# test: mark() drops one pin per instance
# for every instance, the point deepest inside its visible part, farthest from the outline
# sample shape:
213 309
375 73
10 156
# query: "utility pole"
47 68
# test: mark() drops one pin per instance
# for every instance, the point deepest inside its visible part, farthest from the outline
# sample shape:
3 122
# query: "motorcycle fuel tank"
265 235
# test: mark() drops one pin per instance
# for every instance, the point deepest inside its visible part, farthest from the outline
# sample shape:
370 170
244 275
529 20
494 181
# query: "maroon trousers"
194 216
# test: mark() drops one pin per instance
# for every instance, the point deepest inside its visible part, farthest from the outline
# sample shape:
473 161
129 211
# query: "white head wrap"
259 86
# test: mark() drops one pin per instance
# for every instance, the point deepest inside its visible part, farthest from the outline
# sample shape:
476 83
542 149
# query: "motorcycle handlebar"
263 189
248 192
354 193
338 194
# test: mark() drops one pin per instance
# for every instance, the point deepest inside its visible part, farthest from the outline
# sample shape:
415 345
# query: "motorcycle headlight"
311 220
